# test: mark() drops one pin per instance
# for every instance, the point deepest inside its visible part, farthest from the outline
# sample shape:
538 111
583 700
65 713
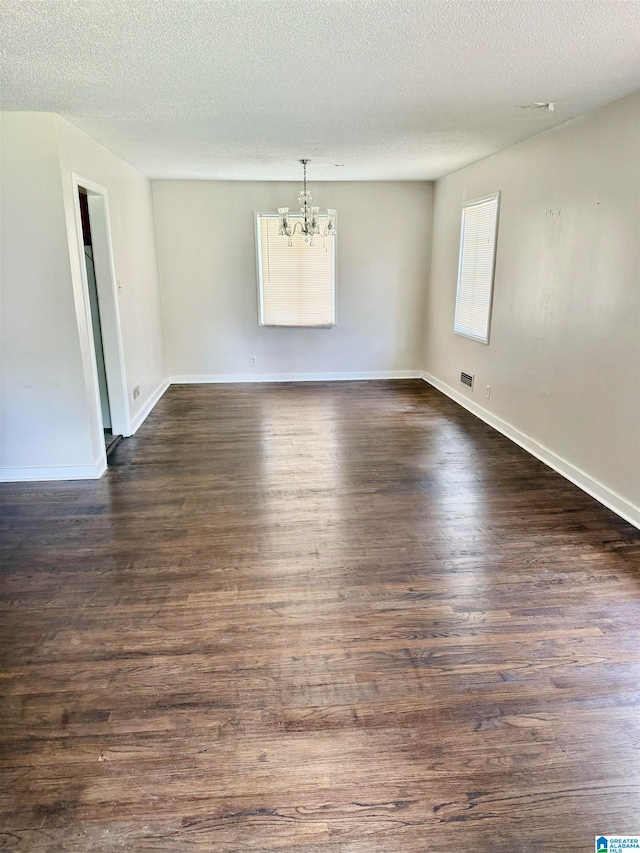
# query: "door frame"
107 287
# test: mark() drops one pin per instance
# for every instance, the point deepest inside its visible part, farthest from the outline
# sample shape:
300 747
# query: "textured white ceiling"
241 89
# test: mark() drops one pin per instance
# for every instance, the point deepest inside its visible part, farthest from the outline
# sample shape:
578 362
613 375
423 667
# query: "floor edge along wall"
616 503
625 509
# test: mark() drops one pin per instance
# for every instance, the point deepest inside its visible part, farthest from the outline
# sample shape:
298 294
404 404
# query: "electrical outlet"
136 392
252 360
487 391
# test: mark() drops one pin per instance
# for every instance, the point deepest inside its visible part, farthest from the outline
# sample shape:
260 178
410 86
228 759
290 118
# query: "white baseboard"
613 501
55 472
138 419
217 378
80 472
622 507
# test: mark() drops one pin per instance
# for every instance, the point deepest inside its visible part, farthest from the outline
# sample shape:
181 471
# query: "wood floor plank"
316 618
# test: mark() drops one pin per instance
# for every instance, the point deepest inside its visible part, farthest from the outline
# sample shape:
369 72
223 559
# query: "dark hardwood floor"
317 618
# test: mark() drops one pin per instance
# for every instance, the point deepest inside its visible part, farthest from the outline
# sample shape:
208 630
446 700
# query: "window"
296 284
476 267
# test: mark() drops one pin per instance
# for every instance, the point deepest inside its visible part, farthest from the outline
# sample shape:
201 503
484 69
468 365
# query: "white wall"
564 356
49 421
206 253
44 420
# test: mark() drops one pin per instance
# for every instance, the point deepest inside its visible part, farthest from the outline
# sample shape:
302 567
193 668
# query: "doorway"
112 415
110 440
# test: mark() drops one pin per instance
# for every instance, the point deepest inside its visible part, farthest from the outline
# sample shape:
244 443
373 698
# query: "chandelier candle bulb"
284 219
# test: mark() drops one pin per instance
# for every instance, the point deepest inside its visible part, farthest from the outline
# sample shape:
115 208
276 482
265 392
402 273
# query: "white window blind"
296 283
476 267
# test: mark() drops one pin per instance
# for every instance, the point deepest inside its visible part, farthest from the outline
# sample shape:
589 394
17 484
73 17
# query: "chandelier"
308 221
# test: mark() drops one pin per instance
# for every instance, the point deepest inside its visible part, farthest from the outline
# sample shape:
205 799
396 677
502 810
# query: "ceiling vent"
467 379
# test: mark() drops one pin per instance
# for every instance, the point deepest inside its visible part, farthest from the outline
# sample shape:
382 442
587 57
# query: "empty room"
320 426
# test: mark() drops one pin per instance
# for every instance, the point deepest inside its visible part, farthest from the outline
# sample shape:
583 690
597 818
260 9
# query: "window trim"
470 203
292 216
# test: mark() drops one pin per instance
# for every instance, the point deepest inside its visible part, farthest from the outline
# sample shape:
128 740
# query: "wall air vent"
467 379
